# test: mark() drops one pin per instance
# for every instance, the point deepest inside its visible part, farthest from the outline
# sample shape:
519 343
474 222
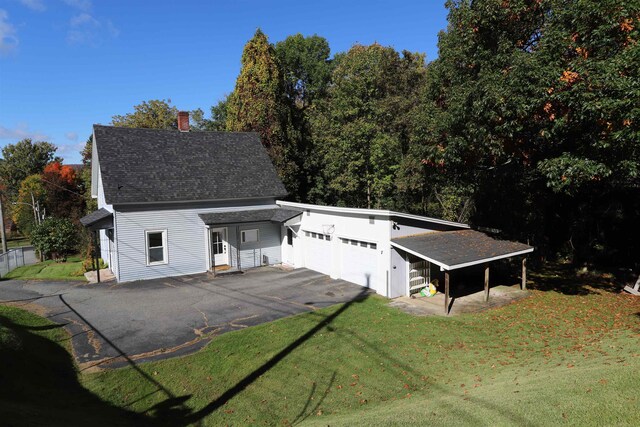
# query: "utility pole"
35 211
2 232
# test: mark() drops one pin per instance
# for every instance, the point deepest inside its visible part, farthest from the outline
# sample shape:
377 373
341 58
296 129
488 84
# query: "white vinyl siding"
187 246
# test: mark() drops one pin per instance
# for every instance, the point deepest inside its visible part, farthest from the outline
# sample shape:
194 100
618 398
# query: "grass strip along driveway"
556 357
50 270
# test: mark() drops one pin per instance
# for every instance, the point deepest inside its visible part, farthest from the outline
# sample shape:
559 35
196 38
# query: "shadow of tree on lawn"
39 383
564 279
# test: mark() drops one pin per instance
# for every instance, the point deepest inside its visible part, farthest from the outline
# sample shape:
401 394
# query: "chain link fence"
17 257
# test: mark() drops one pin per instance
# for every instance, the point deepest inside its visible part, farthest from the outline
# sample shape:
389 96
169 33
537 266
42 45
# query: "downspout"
95 243
238 248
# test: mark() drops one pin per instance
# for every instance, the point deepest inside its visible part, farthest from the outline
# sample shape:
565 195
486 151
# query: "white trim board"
369 212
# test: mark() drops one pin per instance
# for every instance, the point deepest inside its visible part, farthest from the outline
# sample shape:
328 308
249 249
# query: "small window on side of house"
289 237
156 245
249 236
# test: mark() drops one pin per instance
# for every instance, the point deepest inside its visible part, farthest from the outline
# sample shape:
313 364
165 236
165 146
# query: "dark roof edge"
174 130
175 202
466 264
96 217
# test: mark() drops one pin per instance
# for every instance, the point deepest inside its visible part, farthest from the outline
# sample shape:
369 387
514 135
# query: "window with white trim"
156 245
249 236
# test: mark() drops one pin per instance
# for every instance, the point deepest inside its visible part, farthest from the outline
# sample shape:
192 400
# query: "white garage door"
359 262
317 252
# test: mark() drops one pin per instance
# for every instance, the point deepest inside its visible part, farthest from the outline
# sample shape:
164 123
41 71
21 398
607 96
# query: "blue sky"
67 64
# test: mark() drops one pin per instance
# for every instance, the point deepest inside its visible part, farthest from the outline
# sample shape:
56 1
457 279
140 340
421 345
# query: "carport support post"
486 282
446 292
524 274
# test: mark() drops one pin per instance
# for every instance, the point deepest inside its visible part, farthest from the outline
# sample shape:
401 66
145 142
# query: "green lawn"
39 380
552 358
50 270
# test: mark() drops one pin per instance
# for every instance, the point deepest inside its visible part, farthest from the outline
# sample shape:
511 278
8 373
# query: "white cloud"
37 5
84 19
71 136
80 4
84 28
70 149
8 37
21 131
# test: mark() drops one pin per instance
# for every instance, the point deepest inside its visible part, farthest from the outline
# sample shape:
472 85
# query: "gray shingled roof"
454 249
100 217
152 165
253 215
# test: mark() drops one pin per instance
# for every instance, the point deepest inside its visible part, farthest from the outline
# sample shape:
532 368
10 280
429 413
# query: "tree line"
526 123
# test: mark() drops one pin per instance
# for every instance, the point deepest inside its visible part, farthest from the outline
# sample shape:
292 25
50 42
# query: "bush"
55 238
87 264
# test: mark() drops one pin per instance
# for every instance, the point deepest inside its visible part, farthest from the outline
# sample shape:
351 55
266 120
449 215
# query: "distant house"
174 202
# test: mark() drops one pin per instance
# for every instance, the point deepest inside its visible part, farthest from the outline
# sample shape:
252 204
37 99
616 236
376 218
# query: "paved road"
112 324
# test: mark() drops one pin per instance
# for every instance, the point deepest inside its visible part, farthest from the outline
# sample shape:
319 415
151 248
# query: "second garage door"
359 262
317 252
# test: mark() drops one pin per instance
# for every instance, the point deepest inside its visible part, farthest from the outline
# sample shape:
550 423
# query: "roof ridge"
176 130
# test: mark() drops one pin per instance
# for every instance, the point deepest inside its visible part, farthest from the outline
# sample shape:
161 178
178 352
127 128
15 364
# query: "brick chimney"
183 121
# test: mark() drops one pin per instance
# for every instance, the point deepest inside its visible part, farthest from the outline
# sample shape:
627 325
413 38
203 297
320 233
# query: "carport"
453 250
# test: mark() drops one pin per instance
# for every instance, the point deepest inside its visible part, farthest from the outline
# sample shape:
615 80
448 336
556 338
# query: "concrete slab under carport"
470 303
112 325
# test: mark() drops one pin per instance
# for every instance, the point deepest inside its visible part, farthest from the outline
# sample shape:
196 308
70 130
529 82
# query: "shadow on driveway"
113 325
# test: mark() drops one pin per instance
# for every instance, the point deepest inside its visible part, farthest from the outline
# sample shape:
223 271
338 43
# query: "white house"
174 202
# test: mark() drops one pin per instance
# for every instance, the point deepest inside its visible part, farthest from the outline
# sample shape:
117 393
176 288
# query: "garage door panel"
359 263
317 254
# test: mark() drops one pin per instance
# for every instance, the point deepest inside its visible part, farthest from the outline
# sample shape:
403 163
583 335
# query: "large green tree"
32 194
155 114
361 125
533 105
306 68
23 159
257 105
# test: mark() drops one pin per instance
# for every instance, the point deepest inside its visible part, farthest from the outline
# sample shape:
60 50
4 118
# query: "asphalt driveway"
113 324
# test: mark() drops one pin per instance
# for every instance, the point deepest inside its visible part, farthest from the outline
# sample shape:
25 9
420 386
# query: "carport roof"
99 219
457 249
252 215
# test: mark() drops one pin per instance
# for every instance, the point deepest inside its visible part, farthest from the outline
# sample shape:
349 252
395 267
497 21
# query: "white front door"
219 247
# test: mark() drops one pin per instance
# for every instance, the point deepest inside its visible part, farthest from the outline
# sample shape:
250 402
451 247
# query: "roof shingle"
460 248
153 165
252 215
